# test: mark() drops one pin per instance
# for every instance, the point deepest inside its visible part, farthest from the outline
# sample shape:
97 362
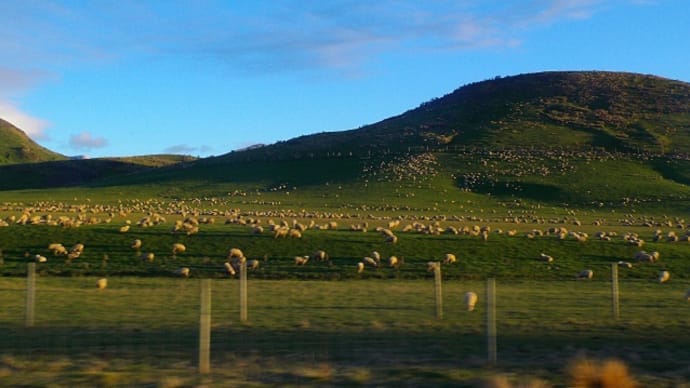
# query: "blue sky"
204 77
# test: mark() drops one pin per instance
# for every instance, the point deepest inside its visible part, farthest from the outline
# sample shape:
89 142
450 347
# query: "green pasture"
144 332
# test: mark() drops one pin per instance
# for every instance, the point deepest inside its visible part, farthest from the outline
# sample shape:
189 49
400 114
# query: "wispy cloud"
185 149
34 127
86 141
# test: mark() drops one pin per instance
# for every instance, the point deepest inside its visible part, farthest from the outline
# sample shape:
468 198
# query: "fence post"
614 291
30 295
491 320
205 327
438 292
243 292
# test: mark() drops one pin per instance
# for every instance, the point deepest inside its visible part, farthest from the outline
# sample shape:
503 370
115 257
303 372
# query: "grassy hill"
579 139
16 147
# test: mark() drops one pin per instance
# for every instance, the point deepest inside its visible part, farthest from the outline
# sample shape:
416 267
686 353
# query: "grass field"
144 332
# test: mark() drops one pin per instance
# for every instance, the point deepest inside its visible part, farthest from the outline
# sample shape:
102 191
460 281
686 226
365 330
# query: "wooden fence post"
438 291
614 291
205 327
243 292
491 320
30 295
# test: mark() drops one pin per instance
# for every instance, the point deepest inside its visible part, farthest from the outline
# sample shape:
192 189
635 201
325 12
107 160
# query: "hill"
17 147
559 138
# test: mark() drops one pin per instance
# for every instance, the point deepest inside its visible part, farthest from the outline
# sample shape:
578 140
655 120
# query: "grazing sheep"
235 253
625 264
650 257
664 276
294 233
257 229
370 261
229 269
432 266
301 260
148 257
546 258
393 261
470 300
40 259
586 274
319 255
360 267
376 256
252 264
136 244
178 248
391 239
58 249
183 271
124 229
102 283
78 248
449 258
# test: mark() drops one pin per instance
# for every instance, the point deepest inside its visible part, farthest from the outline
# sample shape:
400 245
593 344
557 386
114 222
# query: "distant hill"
17 147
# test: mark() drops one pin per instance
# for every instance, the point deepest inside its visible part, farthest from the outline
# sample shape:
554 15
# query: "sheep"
319 255
178 248
376 256
294 233
148 256
301 260
360 267
136 244
229 268
586 274
432 266
252 264
78 248
449 258
102 283
124 229
370 261
664 276
393 261
647 257
625 264
40 259
58 249
391 239
546 258
470 300
235 253
183 271
257 229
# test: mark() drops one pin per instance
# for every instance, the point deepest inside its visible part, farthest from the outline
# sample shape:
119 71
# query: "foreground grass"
143 331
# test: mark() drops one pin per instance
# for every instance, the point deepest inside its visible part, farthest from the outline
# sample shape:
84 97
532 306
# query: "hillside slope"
17 147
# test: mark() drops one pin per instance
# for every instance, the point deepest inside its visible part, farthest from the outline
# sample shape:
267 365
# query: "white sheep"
470 300
124 229
586 274
376 256
647 256
229 268
58 249
301 260
449 258
235 253
370 261
295 233
625 264
40 259
393 261
148 256
664 276
102 283
136 244
183 271
431 266
360 267
78 248
178 248
252 264
319 255
546 258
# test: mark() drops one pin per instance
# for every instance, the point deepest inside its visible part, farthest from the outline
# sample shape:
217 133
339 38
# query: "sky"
205 77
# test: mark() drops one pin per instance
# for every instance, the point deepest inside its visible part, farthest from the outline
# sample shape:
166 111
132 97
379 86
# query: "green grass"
144 331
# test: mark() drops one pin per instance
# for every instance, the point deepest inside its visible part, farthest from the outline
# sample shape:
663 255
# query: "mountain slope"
16 147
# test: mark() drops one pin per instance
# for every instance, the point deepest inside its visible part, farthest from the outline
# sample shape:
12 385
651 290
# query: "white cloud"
86 141
185 149
34 127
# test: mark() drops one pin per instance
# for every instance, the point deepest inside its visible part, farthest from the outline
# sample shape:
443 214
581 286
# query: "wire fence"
207 323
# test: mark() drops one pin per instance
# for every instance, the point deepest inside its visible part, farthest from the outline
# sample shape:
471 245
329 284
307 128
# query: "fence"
209 323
